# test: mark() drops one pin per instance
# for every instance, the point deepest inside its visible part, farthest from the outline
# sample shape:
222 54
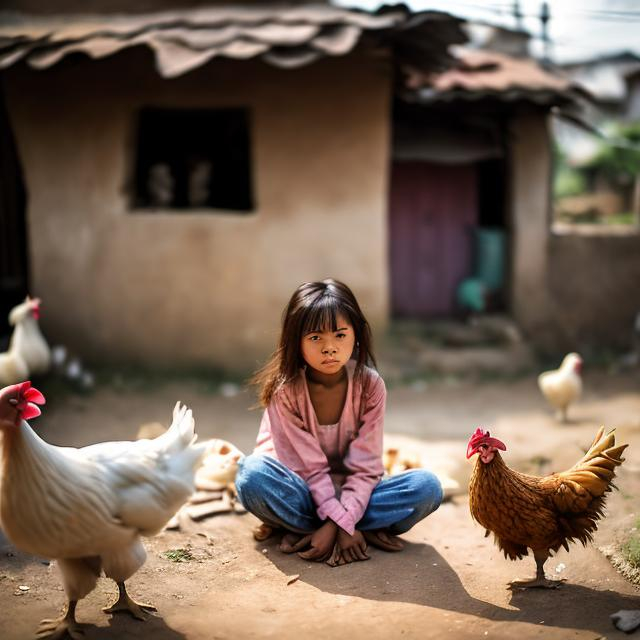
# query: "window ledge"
195 211
584 229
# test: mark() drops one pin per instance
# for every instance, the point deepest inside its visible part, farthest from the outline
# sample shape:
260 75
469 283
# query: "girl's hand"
349 548
322 542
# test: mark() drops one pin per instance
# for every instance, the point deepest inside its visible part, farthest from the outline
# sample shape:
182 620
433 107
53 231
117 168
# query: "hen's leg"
58 628
125 603
540 581
79 576
120 566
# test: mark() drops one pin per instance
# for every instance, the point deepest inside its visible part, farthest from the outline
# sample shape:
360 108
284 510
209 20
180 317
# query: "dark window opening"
193 159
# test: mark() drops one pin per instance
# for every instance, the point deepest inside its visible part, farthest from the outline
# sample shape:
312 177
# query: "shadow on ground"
434 583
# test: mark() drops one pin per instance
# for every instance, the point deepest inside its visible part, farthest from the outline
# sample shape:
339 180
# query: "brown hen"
540 513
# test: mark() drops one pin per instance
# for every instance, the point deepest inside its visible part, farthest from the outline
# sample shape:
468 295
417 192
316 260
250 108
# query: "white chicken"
88 507
562 386
28 353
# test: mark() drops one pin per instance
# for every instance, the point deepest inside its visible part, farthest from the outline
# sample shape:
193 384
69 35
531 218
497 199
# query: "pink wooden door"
433 209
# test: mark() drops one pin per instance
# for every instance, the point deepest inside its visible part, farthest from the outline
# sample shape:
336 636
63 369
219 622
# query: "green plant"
631 548
620 160
567 181
178 555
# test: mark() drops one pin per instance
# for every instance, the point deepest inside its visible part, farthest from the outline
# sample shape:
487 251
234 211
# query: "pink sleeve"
297 449
364 458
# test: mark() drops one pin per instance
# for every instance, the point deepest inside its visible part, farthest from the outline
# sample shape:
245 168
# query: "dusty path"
450 580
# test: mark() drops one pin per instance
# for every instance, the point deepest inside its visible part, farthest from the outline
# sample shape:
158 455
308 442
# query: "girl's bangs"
322 315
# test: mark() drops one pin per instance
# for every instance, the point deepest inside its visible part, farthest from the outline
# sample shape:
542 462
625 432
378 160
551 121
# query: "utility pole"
517 14
545 16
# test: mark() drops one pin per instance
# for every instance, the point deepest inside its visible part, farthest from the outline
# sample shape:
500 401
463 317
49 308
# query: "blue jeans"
281 498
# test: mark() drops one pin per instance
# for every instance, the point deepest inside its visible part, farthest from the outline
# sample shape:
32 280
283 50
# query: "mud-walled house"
185 170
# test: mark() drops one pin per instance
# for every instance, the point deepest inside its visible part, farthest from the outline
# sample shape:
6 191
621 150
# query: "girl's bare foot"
292 542
262 532
341 557
383 540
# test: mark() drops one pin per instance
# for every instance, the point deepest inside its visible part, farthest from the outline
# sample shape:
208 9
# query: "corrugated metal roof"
480 74
183 40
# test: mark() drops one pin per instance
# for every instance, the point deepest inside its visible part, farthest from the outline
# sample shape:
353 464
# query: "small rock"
23 587
626 620
292 579
265 551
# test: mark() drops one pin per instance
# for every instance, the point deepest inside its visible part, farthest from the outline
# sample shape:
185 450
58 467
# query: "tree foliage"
620 159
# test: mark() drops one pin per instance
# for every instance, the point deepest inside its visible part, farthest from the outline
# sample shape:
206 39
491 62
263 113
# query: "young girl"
317 467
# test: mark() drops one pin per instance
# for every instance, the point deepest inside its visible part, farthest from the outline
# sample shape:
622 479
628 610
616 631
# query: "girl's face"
328 351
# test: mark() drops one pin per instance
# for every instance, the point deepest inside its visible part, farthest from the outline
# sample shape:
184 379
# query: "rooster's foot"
124 603
59 628
536 583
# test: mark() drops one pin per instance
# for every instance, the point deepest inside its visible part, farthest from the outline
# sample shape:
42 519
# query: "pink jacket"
341 463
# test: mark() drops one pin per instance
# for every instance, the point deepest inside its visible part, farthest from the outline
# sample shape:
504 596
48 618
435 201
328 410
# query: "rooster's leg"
540 581
125 603
60 627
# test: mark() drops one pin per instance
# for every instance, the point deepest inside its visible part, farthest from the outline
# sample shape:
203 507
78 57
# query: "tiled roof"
480 74
186 39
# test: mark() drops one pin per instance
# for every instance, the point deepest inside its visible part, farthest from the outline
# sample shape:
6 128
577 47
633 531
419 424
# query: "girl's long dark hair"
314 306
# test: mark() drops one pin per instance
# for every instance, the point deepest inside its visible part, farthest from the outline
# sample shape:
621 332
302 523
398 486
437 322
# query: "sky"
579 29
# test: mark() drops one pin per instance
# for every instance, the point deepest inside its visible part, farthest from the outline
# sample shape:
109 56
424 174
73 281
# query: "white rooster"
28 353
88 507
562 386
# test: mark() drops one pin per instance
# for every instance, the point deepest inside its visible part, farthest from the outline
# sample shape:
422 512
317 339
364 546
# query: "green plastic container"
490 257
472 294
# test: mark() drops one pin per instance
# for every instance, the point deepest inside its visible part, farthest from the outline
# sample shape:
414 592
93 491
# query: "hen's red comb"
35 308
28 398
482 436
479 433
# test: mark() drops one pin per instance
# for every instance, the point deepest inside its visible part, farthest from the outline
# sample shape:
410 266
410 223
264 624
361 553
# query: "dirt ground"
450 581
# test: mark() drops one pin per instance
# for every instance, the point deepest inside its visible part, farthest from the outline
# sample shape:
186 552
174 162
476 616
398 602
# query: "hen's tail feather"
179 443
181 433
